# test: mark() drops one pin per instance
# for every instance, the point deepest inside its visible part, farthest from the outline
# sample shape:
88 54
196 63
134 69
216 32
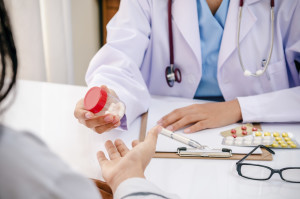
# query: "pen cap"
95 99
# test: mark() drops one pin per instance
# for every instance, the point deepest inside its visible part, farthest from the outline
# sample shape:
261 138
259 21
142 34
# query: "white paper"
160 106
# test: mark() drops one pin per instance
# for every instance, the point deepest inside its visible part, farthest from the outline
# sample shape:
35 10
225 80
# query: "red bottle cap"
95 99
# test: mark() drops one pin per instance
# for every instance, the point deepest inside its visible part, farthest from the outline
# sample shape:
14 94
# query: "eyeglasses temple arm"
261 146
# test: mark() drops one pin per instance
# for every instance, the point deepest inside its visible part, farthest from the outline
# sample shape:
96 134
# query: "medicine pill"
258 133
274 140
256 142
228 142
244 128
280 142
284 145
276 134
267 134
238 142
249 138
275 145
267 138
284 135
248 142
293 145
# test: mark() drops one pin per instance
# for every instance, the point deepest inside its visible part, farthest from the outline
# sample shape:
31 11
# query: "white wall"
86 35
55 39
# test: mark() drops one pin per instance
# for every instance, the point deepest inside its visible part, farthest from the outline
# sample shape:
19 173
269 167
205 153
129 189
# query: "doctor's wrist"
235 109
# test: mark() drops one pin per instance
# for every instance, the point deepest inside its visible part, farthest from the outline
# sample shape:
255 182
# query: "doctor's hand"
202 116
99 124
125 163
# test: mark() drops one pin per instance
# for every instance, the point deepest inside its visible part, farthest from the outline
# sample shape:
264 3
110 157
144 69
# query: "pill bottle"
99 102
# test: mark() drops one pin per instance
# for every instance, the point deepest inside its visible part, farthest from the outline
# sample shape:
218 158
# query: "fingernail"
88 115
170 128
115 120
116 125
187 130
160 123
108 118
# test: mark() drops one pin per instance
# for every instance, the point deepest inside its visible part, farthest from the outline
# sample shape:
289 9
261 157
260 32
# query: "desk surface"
47 110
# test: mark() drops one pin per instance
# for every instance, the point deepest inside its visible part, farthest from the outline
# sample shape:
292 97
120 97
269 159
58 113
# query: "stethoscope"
265 63
174 75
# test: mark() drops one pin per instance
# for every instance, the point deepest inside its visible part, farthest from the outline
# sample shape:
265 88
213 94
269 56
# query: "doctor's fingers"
176 115
201 125
102 120
186 120
121 147
80 113
105 128
112 151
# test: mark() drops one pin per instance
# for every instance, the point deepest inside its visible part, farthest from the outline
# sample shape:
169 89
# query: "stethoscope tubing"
171 47
174 75
259 72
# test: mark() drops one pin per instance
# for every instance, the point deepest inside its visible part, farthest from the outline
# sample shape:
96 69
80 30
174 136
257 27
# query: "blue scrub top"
211 29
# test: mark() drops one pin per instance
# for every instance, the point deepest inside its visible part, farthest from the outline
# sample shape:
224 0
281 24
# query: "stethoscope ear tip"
247 73
259 72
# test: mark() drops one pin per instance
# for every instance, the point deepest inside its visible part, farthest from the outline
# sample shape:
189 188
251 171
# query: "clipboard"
264 156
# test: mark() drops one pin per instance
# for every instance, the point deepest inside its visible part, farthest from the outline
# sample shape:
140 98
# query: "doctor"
134 60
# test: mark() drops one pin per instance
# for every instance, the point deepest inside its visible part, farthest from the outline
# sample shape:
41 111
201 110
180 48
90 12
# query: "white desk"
47 110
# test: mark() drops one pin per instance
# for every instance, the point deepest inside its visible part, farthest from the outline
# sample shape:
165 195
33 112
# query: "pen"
181 138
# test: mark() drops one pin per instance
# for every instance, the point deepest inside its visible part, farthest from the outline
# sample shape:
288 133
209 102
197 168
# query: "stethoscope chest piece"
172 75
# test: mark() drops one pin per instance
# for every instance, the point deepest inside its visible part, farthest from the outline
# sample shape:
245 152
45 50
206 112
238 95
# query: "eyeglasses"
261 172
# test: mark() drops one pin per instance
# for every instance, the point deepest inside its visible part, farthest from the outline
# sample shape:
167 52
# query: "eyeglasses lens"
255 172
292 175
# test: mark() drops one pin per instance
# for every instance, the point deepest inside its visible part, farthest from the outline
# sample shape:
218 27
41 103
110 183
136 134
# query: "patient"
28 169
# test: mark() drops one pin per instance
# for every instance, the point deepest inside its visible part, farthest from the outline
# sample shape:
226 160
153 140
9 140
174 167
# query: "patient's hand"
125 163
202 116
99 124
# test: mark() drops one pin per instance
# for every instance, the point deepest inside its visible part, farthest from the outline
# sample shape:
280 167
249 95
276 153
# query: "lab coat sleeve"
117 64
140 188
279 106
282 105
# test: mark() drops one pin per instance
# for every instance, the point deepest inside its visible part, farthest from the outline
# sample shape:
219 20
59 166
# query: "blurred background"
56 39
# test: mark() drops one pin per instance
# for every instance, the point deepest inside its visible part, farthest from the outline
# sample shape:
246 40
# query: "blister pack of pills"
269 139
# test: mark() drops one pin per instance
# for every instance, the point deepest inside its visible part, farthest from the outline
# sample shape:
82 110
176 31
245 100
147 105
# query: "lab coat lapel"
185 16
229 40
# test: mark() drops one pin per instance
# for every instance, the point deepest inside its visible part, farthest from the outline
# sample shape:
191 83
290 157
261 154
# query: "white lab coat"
134 59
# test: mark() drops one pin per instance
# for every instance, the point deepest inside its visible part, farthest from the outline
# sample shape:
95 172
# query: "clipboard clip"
190 152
